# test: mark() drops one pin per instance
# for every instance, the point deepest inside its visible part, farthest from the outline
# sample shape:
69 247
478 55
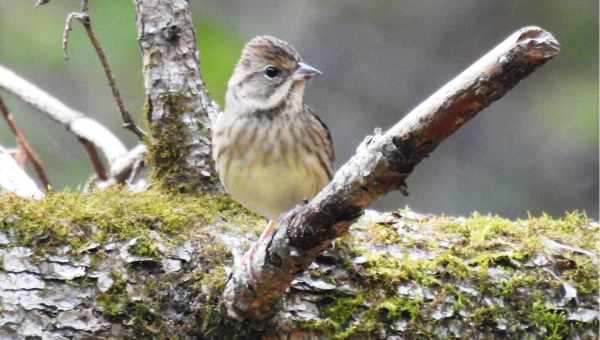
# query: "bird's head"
270 73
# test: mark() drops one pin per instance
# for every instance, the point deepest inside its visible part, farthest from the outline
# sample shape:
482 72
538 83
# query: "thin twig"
41 2
127 166
85 6
24 144
84 18
94 158
67 31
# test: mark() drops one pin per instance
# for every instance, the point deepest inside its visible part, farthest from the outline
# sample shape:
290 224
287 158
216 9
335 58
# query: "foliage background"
534 151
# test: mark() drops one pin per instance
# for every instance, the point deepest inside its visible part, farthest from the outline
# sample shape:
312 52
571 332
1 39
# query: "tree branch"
53 286
14 179
381 164
179 108
83 127
84 18
24 143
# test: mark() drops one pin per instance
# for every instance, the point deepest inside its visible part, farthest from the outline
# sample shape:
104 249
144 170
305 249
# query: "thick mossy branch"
178 105
154 265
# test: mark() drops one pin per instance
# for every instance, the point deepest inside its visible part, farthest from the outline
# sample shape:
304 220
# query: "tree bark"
382 164
178 106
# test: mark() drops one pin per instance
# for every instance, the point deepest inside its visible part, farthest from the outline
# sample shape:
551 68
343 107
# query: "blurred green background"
536 150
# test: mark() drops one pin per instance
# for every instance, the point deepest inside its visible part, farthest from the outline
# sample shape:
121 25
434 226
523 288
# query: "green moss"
114 301
551 323
363 314
167 149
146 247
479 244
76 219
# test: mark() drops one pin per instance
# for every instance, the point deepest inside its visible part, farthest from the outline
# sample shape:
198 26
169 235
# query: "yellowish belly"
274 188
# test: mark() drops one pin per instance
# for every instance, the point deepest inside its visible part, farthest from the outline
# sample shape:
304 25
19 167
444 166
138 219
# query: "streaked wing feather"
330 151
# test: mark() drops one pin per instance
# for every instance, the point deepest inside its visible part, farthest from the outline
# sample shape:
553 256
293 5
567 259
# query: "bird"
271 151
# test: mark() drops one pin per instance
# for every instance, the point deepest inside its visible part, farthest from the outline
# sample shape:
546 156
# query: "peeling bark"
381 164
178 106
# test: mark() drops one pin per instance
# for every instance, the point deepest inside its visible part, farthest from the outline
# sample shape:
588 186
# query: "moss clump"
117 305
76 219
114 301
146 247
363 314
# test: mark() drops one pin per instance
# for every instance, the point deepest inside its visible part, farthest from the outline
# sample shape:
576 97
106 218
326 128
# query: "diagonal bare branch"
24 144
84 18
381 164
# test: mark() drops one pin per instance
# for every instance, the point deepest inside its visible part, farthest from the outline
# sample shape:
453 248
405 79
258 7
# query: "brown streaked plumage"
270 150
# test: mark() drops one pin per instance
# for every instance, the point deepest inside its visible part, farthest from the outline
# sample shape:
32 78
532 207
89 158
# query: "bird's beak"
305 72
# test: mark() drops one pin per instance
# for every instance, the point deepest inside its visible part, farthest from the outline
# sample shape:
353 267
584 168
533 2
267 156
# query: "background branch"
381 164
24 144
14 179
84 18
83 127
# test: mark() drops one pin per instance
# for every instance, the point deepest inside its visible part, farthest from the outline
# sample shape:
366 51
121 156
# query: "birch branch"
83 127
179 107
14 179
381 164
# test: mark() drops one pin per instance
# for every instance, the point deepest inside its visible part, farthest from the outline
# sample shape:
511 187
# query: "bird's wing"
327 140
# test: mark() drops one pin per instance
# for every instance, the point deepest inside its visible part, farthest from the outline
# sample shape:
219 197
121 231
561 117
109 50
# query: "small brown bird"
271 151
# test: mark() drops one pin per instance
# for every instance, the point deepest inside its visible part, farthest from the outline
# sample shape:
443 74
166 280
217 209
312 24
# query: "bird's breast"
271 168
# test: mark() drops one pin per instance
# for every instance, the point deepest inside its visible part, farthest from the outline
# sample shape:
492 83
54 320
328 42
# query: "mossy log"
118 265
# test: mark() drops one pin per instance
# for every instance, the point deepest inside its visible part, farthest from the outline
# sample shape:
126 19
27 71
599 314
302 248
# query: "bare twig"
84 18
82 126
85 6
381 164
127 167
24 143
67 30
41 2
14 179
94 158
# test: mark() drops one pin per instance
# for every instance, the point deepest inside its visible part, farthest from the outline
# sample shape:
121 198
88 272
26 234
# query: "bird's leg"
271 227
268 230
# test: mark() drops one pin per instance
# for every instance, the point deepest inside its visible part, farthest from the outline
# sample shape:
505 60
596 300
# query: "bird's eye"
272 72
